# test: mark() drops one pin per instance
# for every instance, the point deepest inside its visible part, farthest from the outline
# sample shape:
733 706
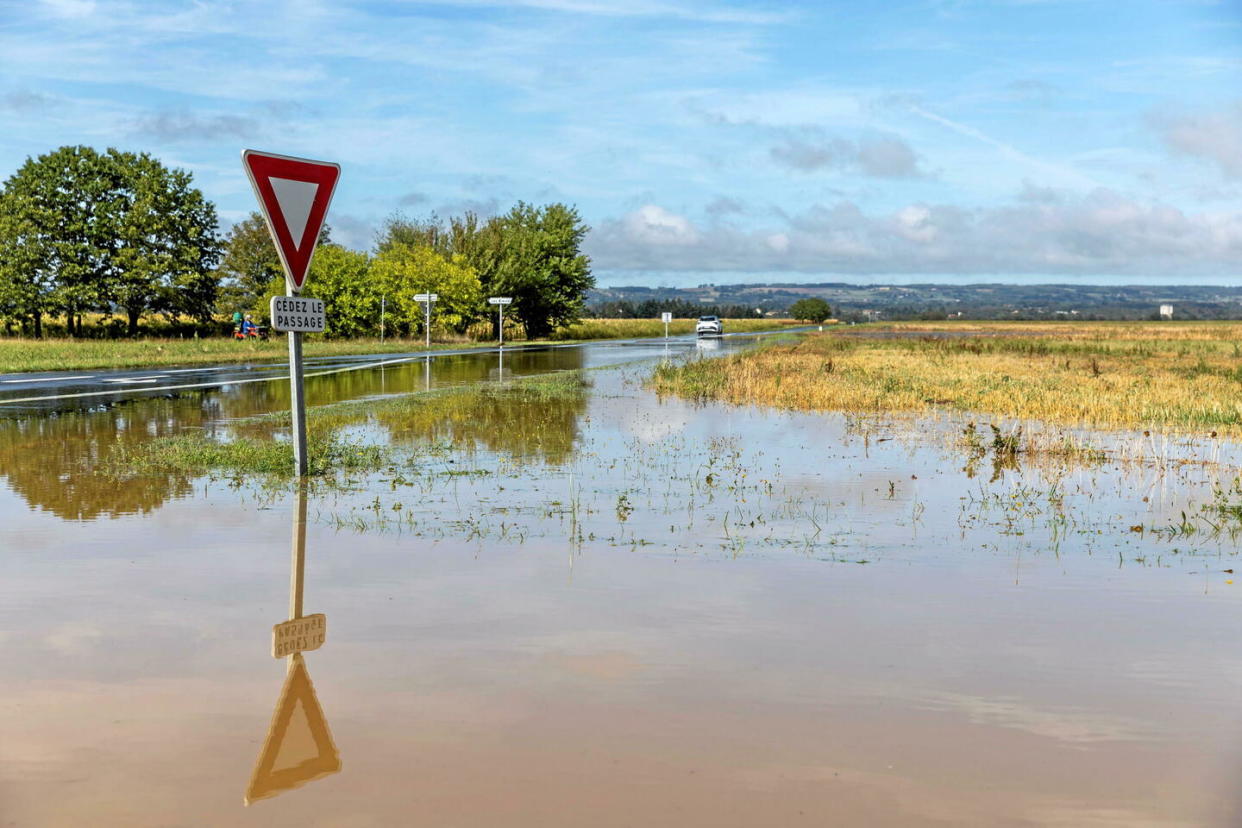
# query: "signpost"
500 302
294 194
666 317
427 299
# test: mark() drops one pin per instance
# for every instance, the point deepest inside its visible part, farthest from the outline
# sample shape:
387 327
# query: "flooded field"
599 607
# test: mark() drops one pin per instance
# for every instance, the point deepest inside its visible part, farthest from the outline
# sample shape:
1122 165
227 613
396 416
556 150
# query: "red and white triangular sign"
294 194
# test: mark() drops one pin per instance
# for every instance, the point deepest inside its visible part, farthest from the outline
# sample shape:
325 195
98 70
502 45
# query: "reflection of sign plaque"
300 635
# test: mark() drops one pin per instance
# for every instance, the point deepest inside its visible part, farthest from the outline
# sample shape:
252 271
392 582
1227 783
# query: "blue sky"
703 140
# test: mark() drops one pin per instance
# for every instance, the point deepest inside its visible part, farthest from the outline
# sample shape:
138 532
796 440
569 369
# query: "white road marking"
134 380
218 383
50 379
199 370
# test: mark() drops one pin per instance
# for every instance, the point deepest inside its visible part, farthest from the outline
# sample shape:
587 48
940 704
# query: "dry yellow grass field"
1183 377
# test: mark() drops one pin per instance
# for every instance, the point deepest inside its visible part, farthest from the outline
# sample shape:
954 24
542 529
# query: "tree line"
680 308
120 235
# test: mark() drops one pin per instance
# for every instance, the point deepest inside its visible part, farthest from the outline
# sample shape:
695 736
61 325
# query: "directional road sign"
294 194
298 313
427 299
500 302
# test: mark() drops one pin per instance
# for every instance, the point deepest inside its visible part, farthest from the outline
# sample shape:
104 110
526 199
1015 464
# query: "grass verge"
18 355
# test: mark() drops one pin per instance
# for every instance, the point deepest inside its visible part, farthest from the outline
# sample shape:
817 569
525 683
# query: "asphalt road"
47 389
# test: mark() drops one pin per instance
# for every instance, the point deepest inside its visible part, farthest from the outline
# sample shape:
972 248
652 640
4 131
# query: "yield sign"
299 747
294 194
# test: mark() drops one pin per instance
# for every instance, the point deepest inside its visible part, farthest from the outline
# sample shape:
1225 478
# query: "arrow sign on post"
294 194
500 302
427 299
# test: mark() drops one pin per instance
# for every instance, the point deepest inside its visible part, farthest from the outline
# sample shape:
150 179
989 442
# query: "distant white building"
1166 311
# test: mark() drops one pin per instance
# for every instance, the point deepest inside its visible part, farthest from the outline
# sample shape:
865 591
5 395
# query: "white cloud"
1215 137
655 226
1101 232
808 149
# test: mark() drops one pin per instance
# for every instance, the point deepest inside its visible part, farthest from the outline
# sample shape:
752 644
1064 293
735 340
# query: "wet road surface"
50 390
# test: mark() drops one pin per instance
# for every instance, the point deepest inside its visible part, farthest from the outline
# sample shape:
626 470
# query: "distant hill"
936 301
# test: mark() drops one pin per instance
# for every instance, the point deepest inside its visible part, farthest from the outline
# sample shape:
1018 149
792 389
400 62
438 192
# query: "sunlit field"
1181 377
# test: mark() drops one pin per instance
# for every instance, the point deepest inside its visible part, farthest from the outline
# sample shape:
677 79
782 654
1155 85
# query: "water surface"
611 609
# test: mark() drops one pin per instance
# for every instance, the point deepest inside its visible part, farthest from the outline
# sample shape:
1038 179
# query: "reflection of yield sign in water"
294 194
299 746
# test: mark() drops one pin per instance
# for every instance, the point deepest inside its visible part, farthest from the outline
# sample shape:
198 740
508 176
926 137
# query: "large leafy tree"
167 244
541 265
84 230
27 284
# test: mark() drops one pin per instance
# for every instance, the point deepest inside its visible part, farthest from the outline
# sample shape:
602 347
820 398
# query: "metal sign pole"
383 302
297 399
427 326
299 555
500 315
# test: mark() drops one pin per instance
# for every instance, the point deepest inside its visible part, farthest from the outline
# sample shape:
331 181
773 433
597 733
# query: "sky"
702 140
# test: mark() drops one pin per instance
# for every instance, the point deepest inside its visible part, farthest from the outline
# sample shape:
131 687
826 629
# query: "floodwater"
608 609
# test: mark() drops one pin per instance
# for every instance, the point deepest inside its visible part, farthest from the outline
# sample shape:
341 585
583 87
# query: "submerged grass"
522 416
1182 377
199 454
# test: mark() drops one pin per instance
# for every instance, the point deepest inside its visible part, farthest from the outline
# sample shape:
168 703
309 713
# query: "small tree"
403 270
250 260
341 278
813 309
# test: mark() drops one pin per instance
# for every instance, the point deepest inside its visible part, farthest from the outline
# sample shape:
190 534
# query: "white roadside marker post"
667 317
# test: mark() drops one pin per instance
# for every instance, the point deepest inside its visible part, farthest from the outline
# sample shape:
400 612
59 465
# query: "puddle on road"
608 609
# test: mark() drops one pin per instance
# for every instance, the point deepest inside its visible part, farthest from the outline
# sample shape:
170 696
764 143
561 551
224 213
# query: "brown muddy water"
608 609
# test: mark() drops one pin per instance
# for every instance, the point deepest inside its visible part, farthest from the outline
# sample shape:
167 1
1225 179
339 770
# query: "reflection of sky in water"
517 654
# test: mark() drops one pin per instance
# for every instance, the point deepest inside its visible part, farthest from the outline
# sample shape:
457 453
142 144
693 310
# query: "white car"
709 326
